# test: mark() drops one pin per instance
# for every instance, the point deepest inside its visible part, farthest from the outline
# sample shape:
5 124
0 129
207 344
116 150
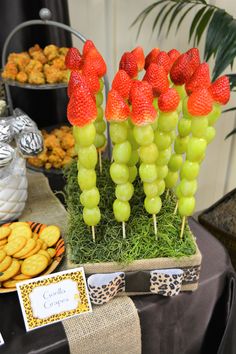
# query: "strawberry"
139 56
220 90
200 102
128 63
81 109
143 87
122 83
181 70
199 79
93 61
173 55
73 59
151 57
143 111
169 100
116 108
87 46
163 59
93 83
76 79
193 58
157 77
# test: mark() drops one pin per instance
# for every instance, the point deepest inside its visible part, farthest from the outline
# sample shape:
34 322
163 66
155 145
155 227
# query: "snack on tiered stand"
19 139
160 127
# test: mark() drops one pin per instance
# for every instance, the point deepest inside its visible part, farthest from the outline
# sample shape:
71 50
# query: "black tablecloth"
191 323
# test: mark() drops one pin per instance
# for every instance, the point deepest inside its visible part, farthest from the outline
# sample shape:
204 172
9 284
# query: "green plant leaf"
146 11
165 17
232 80
158 17
203 23
178 9
183 17
195 21
229 109
231 133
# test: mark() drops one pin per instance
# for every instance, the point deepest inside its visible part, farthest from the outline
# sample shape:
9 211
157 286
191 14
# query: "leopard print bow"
166 282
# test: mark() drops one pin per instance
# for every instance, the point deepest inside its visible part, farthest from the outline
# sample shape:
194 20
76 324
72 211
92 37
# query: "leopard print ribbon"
166 282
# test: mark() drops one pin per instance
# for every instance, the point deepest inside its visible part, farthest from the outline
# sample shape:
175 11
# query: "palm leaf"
229 110
231 133
202 24
232 80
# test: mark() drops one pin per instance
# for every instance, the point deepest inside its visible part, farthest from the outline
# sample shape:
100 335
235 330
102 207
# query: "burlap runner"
113 328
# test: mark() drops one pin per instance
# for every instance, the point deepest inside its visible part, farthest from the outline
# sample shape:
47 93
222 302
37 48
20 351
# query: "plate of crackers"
28 250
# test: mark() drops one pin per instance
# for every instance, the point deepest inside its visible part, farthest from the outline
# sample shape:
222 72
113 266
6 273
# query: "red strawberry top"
143 87
81 109
173 55
169 100
73 59
220 90
200 102
143 111
122 83
184 67
117 109
163 59
93 61
128 63
157 77
151 57
87 46
199 79
139 56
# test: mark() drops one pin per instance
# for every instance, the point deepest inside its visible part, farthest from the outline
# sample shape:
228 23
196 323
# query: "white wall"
107 23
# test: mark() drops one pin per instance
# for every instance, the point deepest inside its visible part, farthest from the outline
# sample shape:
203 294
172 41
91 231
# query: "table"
190 323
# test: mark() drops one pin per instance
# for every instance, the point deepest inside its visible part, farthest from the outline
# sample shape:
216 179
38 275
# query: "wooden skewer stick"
182 227
123 230
155 224
167 193
176 207
100 160
93 234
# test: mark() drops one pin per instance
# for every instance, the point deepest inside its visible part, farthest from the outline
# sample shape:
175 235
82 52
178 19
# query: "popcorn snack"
38 66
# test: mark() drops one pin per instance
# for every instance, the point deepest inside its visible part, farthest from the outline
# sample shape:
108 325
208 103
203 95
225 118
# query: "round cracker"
20 231
46 254
34 250
34 265
3 242
2 255
50 235
10 283
4 232
52 252
16 224
21 277
15 245
10 271
30 245
5 263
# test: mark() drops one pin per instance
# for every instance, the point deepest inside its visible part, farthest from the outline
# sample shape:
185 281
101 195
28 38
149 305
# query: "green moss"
110 246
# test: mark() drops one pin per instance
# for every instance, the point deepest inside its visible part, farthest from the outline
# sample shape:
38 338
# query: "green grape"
91 216
88 156
181 90
134 158
186 206
101 84
154 125
188 188
121 210
214 114
99 98
155 103
150 189
162 140
199 126
124 191
100 114
178 192
100 141
184 127
176 161
189 170
118 132
149 153
172 136
119 173
90 198
179 108
148 172
100 126
162 171
181 144
84 136
210 134
133 171
164 157
86 178
76 148
161 186
122 152
167 121
185 111
144 135
196 149
153 205
132 140
171 179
